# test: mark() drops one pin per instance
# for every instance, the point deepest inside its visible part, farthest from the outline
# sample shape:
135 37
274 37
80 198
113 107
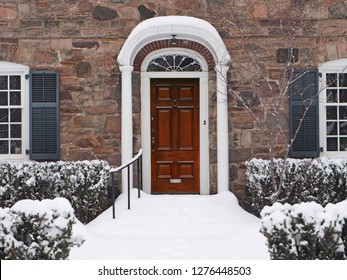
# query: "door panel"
164 169
164 139
186 133
175 135
186 169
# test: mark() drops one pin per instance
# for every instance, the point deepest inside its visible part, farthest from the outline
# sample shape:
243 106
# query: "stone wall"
257 35
82 39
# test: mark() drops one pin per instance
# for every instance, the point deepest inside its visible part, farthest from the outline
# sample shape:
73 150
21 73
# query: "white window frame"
336 66
8 68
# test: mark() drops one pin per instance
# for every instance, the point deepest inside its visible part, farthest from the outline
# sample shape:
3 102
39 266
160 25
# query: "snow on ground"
173 227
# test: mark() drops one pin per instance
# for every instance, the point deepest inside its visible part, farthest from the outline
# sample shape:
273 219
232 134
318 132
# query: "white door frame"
203 121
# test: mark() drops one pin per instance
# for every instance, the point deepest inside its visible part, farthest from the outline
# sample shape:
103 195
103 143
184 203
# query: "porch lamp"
173 40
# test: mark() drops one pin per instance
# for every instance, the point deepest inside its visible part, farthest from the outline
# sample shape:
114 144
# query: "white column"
127 122
222 129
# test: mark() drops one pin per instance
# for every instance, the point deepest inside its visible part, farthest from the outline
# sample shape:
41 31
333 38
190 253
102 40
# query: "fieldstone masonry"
82 38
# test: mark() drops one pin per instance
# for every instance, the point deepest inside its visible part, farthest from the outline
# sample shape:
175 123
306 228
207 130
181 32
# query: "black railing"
138 158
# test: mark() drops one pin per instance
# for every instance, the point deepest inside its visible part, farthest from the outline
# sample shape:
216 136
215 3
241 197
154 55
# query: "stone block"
329 28
307 55
102 151
102 109
8 13
279 119
72 55
71 32
113 159
32 32
83 69
67 81
331 51
30 23
85 6
338 10
249 99
88 122
239 154
260 10
128 13
233 172
61 44
71 110
145 13
46 57
104 13
342 49
85 44
110 61
259 139
120 1
287 55
88 141
261 150
66 138
51 24
275 74
243 123
120 28
213 155
74 153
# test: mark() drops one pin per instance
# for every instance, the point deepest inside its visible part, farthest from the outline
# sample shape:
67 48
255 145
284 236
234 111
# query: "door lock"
153 144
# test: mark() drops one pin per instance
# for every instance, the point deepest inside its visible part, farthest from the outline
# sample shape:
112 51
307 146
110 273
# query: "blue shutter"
304 96
44 115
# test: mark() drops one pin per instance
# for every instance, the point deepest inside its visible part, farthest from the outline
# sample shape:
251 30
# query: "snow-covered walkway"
173 227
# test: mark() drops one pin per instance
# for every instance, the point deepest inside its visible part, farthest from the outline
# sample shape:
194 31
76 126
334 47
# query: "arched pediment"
183 27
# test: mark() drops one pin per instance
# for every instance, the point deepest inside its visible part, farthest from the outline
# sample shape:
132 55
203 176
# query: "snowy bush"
305 231
83 183
37 230
321 180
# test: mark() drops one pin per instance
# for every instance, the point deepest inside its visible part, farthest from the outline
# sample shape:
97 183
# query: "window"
29 113
318 111
13 111
174 63
333 99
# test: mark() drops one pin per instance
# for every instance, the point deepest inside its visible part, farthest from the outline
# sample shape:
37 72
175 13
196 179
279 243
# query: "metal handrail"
138 158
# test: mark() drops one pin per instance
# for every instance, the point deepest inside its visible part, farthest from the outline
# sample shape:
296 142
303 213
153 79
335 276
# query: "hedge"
83 183
305 231
320 180
37 230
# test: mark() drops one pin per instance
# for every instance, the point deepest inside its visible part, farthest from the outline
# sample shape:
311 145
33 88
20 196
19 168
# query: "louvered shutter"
44 115
304 98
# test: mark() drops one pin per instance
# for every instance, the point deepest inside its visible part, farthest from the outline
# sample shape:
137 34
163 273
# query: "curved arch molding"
185 28
164 44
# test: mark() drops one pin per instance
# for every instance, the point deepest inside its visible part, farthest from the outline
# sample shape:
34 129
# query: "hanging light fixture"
173 39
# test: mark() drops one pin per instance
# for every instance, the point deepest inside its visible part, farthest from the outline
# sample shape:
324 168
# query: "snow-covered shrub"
305 231
37 230
321 180
83 183
340 210
278 229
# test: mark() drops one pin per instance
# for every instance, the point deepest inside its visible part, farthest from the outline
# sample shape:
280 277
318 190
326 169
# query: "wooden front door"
175 136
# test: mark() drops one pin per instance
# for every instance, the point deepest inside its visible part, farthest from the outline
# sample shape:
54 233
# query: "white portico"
203 34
